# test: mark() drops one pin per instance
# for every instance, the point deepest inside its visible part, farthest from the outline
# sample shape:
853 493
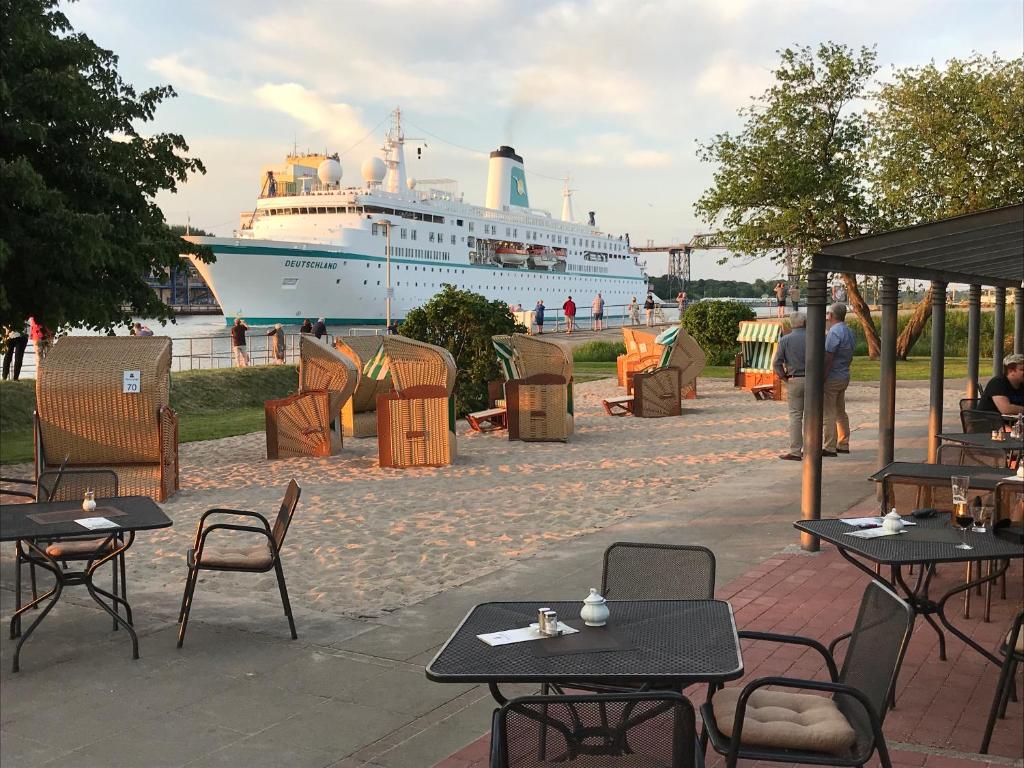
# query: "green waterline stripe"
252 321
319 254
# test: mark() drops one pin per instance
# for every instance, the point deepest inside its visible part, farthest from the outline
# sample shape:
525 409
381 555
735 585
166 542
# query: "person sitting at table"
1005 394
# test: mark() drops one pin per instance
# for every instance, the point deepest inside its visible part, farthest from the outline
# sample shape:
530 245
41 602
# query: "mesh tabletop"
984 440
932 540
22 521
669 641
982 478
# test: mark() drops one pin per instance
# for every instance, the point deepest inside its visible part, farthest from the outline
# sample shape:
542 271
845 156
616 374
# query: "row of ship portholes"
603 291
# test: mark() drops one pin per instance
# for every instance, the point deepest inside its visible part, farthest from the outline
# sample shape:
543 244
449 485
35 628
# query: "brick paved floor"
941 705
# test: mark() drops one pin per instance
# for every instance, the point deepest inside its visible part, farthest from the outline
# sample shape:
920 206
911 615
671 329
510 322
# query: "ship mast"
394 155
567 200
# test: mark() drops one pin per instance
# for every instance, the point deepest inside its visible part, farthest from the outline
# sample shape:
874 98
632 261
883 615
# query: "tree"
79 228
944 143
792 179
713 325
463 323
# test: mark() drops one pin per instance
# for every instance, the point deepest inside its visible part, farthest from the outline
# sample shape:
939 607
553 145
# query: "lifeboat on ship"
511 256
542 257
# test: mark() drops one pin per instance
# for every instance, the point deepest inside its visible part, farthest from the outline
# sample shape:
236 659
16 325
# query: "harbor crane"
679 254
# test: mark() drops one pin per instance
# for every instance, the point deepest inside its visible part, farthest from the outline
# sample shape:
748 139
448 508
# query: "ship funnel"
506 180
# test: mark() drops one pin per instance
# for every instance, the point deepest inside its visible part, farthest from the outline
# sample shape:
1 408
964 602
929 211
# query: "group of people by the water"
277 344
597 312
782 293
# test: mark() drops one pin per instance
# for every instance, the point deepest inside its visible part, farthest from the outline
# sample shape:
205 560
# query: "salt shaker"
892 522
89 502
595 610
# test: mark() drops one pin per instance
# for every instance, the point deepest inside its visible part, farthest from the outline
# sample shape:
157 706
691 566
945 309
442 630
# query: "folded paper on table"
96 523
873 533
521 635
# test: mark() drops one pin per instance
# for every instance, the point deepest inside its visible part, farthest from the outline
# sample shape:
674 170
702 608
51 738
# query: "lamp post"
388 292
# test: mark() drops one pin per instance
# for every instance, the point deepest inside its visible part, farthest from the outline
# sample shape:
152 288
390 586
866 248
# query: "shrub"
598 352
956 333
463 322
714 324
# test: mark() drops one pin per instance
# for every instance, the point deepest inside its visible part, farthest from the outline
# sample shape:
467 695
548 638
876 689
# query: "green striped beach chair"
759 340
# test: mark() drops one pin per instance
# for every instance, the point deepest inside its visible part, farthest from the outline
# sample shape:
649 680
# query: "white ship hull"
268 281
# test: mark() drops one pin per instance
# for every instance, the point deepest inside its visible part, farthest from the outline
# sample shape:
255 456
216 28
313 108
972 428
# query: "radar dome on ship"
373 170
329 171
411 183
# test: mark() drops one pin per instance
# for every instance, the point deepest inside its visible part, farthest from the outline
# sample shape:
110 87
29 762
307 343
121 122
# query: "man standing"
320 329
538 316
794 297
238 342
570 314
649 309
839 344
17 340
780 298
789 366
1004 394
597 309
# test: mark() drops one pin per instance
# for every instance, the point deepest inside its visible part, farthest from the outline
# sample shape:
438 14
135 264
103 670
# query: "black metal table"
928 543
666 642
984 440
32 525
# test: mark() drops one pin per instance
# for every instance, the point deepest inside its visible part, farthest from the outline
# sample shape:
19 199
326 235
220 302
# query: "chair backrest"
534 355
629 340
1009 501
284 514
415 364
759 340
980 421
906 494
82 405
22 489
360 349
688 356
596 731
970 456
969 403
322 367
71 484
634 571
875 652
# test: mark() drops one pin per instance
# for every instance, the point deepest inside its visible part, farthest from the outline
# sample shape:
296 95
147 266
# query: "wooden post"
814 392
973 339
887 376
938 361
999 331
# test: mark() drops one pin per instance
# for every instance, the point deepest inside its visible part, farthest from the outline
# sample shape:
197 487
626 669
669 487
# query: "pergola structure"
979 249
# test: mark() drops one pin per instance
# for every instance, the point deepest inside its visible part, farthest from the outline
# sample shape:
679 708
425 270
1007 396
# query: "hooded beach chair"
539 400
759 340
309 423
641 353
359 414
104 401
416 420
496 416
657 391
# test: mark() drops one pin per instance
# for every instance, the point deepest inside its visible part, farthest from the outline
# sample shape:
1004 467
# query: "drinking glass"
960 484
982 519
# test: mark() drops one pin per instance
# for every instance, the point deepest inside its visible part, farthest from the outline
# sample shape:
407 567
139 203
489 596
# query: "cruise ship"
368 254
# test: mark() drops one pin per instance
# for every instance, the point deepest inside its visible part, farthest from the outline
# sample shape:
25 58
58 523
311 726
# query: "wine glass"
964 517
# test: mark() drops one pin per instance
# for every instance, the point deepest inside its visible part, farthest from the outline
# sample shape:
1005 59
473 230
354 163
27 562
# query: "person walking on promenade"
794 297
597 312
277 343
306 327
570 314
681 299
789 366
41 339
634 312
238 345
538 316
15 341
320 329
780 298
839 344
142 330
649 309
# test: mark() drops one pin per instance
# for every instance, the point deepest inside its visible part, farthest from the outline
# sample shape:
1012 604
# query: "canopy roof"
984 248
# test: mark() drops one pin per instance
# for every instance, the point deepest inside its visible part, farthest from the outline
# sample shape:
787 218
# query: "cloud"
732 80
335 120
605 150
185 77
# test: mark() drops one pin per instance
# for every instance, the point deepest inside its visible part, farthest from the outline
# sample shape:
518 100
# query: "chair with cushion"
359 414
632 730
105 401
309 423
641 353
539 401
495 416
416 421
240 549
1012 649
759 340
752 723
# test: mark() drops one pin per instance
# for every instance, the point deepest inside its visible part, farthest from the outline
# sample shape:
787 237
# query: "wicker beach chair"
359 414
105 402
539 402
759 340
416 421
301 425
642 352
495 416
656 391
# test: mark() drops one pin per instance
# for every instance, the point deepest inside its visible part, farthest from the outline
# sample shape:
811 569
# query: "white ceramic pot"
893 522
595 610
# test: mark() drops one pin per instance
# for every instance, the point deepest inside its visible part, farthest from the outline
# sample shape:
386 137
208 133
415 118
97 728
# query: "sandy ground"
367 540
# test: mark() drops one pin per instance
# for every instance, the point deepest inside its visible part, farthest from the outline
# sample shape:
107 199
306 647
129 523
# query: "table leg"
95 592
994 573
51 565
921 605
497 694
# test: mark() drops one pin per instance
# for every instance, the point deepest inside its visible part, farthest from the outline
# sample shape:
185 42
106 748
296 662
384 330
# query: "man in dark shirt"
320 329
1005 394
789 366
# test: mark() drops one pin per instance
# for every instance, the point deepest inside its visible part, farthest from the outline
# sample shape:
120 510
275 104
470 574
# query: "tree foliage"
713 325
79 227
946 142
792 178
463 323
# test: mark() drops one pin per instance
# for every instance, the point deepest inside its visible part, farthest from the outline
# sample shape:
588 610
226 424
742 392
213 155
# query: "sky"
616 94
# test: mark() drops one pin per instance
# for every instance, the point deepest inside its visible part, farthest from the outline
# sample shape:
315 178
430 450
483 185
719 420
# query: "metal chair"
635 571
860 692
654 730
1012 649
980 421
249 558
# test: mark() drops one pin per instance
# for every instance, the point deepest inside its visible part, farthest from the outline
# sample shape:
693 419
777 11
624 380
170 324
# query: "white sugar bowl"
595 610
892 522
